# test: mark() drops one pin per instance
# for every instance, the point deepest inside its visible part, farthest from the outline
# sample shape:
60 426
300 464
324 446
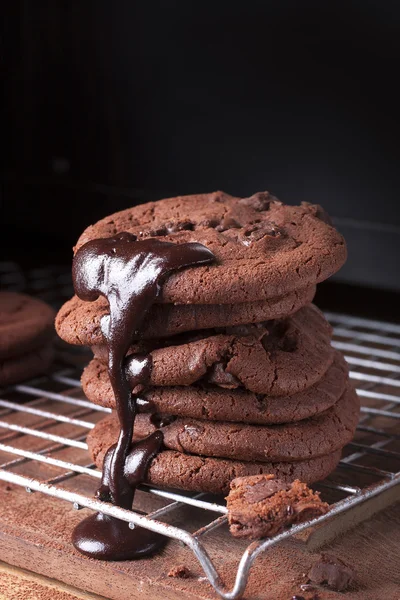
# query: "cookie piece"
333 572
263 248
25 366
277 357
26 323
262 506
78 322
317 436
201 474
180 571
218 404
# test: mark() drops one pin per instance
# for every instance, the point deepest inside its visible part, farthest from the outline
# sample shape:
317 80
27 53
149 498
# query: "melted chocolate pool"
129 273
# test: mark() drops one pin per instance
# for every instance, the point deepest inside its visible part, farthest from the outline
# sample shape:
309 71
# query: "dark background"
107 104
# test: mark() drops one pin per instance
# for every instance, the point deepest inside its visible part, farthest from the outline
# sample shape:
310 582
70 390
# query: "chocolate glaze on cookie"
171 469
78 322
278 358
263 248
129 273
317 436
204 401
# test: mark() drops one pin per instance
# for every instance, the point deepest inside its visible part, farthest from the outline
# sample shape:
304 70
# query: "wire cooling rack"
44 423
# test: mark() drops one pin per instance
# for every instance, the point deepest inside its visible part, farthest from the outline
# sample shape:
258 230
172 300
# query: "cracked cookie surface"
316 436
203 474
277 357
219 404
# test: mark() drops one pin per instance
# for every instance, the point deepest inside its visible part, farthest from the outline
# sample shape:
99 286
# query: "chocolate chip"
278 337
262 401
168 228
242 330
333 572
260 201
264 489
157 231
272 339
228 222
258 231
161 420
211 223
219 376
174 226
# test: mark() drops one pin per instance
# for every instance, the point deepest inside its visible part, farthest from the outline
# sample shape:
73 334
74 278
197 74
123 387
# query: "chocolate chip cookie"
26 323
26 332
203 474
78 322
25 366
277 357
263 248
316 436
218 404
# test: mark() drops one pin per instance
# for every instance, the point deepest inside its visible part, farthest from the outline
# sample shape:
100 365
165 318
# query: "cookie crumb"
332 572
181 571
262 506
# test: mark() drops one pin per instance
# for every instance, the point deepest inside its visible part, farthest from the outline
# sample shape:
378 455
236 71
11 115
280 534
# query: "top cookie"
263 248
26 323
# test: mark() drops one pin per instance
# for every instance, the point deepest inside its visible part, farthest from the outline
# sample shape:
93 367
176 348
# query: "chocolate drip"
129 273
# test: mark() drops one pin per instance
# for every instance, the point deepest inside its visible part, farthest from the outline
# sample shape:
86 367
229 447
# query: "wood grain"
18 584
35 534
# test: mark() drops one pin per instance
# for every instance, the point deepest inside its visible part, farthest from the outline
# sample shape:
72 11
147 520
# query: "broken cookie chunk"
181 572
333 572
262 506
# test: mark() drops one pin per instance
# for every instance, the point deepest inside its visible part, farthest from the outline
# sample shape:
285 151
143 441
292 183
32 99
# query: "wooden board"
18 584
35 534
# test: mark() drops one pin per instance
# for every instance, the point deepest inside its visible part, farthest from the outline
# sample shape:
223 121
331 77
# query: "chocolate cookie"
78 322
263 248
200 474
276 358
217 404
25 324
263 506
316 436
25 366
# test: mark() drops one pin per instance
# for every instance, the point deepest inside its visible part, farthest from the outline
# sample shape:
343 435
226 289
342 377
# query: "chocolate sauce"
129 273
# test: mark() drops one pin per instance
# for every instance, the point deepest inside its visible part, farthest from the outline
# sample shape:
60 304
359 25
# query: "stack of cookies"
244 379
26 336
